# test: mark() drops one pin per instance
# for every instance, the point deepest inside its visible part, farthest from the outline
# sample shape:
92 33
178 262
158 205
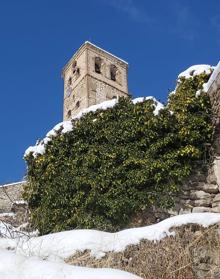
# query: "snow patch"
20 202
35 150
158 106
64 244
213 78
67 126
102 106
196 70
14 266
12 184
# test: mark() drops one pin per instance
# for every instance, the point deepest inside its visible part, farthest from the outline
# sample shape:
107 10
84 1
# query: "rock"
200 209
198 177
202 186
173 212
216 204
202 202
211 178
184 197
210 188
195 195
216 200
185 210
216 209
186 203
217 170
216 144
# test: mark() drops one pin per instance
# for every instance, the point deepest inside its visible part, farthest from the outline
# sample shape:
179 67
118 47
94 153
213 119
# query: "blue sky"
159 39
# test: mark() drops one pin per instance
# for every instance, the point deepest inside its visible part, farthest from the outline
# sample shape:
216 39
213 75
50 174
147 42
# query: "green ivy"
118 162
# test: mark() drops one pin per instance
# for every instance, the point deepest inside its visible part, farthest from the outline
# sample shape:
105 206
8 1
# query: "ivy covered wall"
117 162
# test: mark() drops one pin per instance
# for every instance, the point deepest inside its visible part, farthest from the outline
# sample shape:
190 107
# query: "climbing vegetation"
118 162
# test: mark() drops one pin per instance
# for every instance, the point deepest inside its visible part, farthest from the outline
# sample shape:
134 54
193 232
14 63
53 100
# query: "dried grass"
183 256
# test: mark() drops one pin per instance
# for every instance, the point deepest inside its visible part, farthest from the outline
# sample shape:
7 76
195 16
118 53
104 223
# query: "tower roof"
84 45
91 44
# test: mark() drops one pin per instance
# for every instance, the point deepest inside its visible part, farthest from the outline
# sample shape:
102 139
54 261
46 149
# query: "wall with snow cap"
201 192
213 89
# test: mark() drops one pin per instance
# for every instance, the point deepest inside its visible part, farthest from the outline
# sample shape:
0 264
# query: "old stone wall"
201 192
9 194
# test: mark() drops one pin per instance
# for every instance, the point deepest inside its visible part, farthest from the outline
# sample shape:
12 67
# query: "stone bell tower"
92 76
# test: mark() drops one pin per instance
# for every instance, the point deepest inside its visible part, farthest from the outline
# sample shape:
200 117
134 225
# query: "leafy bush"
118 162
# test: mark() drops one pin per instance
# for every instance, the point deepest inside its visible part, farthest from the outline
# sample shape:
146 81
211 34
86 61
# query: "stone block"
186 203
216 209
8 194
210 188
185 210
216 199
200 209
173 212
217 170
211 178
216 203
206 187
196 195
202 202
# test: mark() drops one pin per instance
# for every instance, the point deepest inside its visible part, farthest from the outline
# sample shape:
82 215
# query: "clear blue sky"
159 39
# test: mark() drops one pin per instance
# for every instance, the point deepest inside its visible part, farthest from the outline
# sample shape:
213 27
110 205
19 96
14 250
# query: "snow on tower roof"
89 43
93 45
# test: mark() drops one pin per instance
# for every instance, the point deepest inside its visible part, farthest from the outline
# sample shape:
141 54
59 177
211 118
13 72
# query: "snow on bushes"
196 70
67 126
118 160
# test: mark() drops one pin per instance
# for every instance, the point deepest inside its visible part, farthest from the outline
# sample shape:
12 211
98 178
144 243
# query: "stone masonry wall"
201 192
9 194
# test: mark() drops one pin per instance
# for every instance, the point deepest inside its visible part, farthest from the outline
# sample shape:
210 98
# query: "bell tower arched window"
69 113
74 67
113 72
98 64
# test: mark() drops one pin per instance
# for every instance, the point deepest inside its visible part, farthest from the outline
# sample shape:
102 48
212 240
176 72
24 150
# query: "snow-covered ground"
14 266
41 257
64 244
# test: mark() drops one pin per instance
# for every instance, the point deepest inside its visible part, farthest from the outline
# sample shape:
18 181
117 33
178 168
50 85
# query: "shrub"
118 162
